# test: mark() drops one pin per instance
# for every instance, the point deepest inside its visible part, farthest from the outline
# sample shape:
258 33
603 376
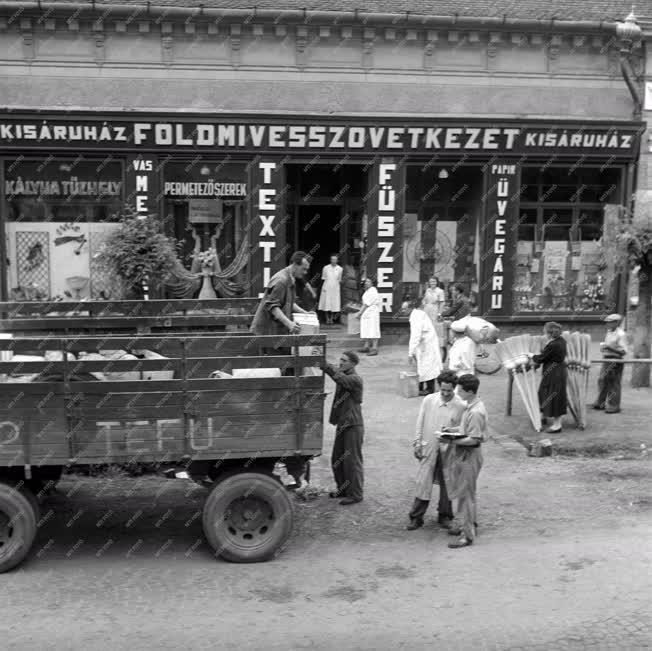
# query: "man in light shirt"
438 410
462 354
465 461
614 347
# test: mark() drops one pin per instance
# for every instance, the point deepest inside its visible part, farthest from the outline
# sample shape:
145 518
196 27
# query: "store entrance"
325 213
317 233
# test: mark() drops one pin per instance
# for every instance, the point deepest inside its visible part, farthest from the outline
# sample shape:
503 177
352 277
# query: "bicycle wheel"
487 362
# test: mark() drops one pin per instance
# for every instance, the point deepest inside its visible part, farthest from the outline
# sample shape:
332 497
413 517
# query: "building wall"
152 65
159 65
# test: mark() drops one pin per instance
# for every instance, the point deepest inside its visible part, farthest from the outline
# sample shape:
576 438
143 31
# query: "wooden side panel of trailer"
99 426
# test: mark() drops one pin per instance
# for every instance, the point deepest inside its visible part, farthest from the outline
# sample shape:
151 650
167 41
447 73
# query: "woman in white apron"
329 300
369 316
433 305
424 350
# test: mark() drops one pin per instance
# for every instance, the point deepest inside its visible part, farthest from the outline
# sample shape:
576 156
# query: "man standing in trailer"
274 313
279 303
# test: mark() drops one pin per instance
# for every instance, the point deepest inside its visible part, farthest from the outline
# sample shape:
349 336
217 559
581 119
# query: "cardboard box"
309 323
309 326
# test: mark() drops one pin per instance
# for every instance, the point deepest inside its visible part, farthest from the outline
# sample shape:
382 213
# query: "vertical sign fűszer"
383 206
500 234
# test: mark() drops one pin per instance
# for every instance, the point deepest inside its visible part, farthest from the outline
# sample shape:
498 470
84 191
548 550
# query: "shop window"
557 223
558 185
206 208
527 225
441 228
443 243
529 184
58 214
561 262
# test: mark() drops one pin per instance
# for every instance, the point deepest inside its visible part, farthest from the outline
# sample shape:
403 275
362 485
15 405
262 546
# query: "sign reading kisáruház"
320 135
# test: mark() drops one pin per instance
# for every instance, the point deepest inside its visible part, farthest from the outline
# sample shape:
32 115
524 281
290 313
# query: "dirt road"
563 561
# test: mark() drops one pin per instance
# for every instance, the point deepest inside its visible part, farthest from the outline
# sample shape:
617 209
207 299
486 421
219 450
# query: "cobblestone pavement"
563 560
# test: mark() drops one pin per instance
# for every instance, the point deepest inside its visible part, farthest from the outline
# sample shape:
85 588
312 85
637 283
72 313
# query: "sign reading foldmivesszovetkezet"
417 136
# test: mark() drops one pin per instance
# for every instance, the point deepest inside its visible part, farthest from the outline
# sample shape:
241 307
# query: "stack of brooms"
515 356
578 361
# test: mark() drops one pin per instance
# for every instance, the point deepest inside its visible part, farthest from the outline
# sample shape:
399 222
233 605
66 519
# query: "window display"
58 213
441 229
561 264
206 210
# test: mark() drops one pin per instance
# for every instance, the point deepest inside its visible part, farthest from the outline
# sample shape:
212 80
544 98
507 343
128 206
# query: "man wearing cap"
461 357
613 347
346 415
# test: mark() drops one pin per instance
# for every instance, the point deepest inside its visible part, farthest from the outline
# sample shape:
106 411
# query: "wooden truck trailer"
56 416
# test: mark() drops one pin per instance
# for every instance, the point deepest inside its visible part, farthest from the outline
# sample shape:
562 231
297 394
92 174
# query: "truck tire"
17 526
248 517
30 494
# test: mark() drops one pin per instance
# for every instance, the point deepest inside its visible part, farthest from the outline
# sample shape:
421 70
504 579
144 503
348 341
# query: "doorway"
317 234
325 212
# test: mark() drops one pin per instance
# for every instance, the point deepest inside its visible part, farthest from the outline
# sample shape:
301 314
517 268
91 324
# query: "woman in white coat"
329 300
424 349
369 316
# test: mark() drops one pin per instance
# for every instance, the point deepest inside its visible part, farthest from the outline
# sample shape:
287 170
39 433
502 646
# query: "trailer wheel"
17 526
30 493
248 517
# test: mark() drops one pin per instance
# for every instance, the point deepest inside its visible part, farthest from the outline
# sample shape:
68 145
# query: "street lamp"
629 34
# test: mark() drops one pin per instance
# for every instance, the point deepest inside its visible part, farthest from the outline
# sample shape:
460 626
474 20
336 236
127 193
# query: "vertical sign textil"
267 226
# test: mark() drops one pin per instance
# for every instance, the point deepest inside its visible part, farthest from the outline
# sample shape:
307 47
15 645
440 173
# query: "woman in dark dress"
552 390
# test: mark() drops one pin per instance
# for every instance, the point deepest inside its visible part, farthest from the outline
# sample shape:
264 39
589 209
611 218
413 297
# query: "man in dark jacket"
279 303
346 415
461 305
274 313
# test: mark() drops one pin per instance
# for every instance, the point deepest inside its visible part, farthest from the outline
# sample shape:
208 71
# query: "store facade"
500 155
514 211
